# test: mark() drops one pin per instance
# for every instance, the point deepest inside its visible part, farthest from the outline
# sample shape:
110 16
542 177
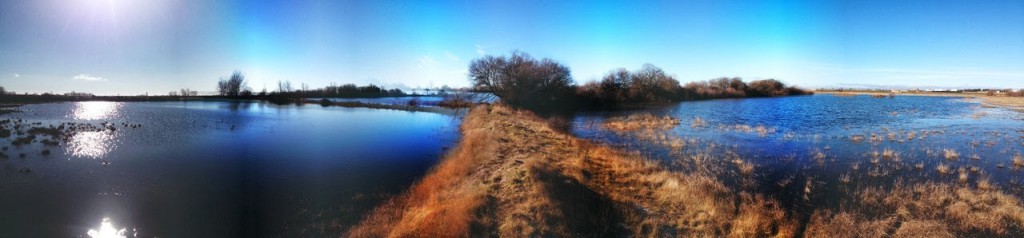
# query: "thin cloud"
16 75
87 77
427 62
451 56
481 50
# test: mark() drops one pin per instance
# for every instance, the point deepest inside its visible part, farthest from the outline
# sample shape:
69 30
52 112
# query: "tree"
2 90
521 80
232 86
647 84
284 86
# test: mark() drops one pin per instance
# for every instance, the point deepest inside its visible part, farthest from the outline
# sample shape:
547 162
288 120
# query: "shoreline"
1011 103
513 175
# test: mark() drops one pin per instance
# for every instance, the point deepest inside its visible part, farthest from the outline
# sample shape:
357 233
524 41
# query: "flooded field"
826 152
206 169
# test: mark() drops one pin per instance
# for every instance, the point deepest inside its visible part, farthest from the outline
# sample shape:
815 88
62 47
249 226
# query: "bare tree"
521 80
284 86
232 86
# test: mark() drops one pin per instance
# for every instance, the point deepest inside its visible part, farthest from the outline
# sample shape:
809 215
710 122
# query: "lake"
815 151
211 169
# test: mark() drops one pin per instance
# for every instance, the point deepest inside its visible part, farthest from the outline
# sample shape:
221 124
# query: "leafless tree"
232 86
284 86
521 80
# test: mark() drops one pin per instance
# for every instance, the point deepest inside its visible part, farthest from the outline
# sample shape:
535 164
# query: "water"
815 139
213 169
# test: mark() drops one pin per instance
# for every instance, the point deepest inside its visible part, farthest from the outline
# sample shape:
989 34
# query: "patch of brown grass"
923 228
950 154
963 209
844 224
640 121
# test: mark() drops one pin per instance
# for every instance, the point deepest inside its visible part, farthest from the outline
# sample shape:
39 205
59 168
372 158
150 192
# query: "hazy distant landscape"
511 119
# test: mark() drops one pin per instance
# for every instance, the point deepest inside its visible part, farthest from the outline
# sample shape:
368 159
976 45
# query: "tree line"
544 84
236 86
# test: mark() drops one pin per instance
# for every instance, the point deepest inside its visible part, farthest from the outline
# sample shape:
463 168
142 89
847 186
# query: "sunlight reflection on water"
96 110
107 230
92 144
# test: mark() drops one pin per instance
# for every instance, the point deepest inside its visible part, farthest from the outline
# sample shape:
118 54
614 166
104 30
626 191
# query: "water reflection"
92 144
96 110
107 230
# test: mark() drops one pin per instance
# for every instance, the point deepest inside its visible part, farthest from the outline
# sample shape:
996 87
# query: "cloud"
427 62
87 77
16 75
451 56
481 50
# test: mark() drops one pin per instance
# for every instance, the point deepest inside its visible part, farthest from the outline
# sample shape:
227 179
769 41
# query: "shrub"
647 84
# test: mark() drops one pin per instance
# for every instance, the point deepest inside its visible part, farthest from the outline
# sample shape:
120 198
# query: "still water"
211 169
834 143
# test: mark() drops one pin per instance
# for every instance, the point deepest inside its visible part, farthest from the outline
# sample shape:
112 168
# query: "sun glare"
96 110
107 230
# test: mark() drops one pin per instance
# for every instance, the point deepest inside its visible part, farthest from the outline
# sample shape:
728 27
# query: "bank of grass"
512 175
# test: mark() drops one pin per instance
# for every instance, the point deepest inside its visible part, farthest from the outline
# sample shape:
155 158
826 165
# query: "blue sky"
131 47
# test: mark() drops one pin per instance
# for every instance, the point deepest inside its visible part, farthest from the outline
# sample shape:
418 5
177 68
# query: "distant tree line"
545 85
235 86
333 90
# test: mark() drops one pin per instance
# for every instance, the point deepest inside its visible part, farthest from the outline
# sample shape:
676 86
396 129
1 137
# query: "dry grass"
950 154
512 175
890 154
964 210
641 121
1018 160
942 169
745 167
698 122
923 228
844 224
857 138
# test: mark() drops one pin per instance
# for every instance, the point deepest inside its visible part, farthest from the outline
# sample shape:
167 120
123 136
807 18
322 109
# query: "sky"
129 47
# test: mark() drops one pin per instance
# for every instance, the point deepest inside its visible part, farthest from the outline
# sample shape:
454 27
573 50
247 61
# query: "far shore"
1012 103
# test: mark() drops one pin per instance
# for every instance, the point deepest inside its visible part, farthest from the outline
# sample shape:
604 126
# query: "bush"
647 84
522 81
736 88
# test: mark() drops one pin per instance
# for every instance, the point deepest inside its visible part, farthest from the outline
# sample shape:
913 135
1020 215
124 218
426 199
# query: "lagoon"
213 169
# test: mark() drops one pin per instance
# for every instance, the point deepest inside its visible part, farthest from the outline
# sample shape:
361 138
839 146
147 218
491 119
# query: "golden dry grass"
950 154
641 121
512 175
963 209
